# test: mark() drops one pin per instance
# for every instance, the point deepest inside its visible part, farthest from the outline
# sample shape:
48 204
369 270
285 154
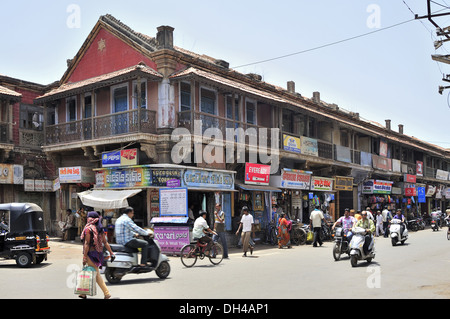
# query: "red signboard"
257 174
409 178
419 168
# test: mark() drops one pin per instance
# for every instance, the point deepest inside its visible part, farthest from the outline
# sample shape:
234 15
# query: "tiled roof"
97 82
5 92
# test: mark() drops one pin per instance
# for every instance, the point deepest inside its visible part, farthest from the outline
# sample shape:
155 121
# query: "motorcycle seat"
123 249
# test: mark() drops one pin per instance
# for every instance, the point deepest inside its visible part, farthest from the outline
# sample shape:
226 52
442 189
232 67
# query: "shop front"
378 193
255 192
323 194
294 185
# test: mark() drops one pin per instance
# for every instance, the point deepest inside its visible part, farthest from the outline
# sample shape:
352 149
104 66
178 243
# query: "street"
418 269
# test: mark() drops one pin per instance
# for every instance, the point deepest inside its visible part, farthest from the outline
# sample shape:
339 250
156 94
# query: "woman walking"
284 238
94 238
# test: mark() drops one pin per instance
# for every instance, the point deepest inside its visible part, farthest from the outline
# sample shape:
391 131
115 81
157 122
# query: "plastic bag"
86 282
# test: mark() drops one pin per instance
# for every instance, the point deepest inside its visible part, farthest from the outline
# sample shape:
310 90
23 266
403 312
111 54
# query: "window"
250 112
87 106
143 94
288 118
119 98
71 109
208 101
185 96
31 117
229 102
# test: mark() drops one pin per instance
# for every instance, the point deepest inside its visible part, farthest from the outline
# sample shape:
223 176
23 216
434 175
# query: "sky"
384 71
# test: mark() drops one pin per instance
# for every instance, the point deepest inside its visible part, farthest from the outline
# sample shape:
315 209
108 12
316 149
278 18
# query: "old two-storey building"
26 174
127 91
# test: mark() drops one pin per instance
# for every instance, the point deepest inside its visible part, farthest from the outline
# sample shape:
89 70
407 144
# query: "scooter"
434 225
395 232
126 261
356 247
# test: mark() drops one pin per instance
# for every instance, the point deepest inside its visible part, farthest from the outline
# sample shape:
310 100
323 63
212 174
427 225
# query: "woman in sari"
284 239
94 238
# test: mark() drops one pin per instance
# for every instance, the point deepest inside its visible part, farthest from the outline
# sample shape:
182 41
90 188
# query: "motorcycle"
341 244
421 223
396 234
413 225
434 225
126 261
356 247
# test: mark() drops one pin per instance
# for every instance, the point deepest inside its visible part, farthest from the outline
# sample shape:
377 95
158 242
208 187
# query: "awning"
261 188
107 199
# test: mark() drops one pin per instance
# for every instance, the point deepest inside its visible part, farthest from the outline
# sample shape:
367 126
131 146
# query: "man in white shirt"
387 216
198 232
315 219
246 224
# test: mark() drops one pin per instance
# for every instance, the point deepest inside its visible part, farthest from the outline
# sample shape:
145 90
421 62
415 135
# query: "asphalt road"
418 269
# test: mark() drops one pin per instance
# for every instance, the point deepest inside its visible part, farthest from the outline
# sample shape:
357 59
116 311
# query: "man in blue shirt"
125 230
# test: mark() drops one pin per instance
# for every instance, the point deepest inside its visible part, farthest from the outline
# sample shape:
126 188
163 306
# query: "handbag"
310 236
86 282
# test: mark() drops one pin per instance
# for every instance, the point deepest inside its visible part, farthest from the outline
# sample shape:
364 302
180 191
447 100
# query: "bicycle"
272 234
298 235
190 252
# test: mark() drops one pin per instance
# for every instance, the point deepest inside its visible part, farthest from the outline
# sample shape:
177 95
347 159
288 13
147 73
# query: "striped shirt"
125 228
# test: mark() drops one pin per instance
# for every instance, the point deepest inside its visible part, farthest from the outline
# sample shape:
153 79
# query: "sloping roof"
69 89
9 94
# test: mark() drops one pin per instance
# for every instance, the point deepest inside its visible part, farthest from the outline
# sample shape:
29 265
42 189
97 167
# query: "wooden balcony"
101 127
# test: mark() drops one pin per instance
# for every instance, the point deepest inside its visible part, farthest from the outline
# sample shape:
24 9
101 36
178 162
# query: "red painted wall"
115 56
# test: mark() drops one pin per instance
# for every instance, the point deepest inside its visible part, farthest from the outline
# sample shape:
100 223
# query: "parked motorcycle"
396 234
421 223
412 225
127 261
356 247
341 243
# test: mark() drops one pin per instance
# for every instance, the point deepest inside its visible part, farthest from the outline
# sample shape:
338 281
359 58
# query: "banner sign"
343 183
171 238
291 143
257 174
173 202
120 158
321 184
372 186
297 179
124 177
208 179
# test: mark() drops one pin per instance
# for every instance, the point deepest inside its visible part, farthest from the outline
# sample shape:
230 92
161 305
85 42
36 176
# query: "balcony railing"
102 127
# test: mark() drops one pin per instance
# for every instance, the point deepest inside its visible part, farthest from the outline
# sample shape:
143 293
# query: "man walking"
219 227
315 220
386 215
246 223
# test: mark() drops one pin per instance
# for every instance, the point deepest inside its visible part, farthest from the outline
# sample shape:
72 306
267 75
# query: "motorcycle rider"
435 216
369 226
125 230
347 222
400 216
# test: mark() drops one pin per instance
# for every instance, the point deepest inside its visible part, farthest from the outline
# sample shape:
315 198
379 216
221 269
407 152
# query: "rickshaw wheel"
24 259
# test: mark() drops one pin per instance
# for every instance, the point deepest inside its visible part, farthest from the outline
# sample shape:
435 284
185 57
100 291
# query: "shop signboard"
296 179
419 168
127 157
442 175
76 174
322 184
447 193
257 174
162 176
11 174
172 238
309 146
430 190
343 183
124 177
408 178
343 154
173 202
291 143
410 189
421 194
373 186
380 162
195 178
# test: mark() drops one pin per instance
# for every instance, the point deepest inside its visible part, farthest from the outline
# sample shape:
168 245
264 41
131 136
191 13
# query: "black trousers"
317 237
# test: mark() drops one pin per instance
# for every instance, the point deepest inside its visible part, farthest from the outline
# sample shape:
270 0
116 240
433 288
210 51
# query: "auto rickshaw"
22 234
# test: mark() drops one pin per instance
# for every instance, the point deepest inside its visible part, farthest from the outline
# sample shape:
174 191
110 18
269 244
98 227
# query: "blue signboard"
111 159
421 195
